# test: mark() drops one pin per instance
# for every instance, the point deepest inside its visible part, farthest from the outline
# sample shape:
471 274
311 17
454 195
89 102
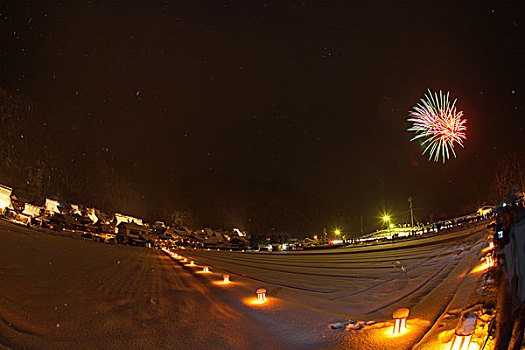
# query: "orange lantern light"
226 279
400 317
464 331
261 295
192 263
491 245
489 260
205 269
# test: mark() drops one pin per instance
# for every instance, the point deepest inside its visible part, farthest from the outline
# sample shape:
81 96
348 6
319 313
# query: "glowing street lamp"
400 317
192 263
464 331
261 295
184 260
205 269
226 279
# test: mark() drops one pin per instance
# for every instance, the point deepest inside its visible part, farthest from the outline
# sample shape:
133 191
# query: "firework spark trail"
439 124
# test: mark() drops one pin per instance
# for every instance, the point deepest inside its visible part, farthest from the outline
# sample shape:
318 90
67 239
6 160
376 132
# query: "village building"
118 218
92 215
75 210
51 207
31 210
5 197
132 233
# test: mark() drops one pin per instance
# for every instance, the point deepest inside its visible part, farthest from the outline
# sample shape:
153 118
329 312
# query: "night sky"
192 101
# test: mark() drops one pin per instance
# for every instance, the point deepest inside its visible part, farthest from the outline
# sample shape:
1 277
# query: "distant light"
386 218
261 295
315 237
192 263
226 279
205 269
400 317
337 232
391 225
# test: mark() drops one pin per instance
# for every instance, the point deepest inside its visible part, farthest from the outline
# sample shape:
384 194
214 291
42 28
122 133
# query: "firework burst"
438 124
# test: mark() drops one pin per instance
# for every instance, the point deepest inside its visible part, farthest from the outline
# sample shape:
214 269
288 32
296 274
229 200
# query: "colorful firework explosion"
437 122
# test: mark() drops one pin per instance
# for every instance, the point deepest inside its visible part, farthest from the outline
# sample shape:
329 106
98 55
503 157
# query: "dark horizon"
269 117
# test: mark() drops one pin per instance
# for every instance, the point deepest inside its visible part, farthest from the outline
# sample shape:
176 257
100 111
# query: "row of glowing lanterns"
463 332
261 292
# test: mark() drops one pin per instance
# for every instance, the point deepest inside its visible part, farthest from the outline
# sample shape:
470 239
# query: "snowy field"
59 292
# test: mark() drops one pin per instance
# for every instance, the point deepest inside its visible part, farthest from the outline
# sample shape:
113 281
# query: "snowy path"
58 292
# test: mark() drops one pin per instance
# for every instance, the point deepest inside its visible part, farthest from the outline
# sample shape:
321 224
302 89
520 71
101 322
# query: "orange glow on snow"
389 332
399 326
461 343
254 301
205 269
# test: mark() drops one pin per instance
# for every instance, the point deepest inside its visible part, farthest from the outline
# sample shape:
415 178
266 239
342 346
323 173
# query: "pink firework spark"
439 124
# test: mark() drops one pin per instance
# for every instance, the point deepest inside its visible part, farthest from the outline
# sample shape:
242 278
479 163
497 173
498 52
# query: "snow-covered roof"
5 197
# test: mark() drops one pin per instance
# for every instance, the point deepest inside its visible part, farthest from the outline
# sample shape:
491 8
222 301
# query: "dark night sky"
314 95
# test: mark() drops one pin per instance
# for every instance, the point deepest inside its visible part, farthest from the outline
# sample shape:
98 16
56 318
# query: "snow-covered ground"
59 292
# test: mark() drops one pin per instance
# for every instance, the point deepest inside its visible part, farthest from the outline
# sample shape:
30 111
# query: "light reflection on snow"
254 301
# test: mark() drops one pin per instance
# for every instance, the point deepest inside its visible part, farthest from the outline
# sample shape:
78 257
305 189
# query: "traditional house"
51 207
75 210
68 222
91 213
126 218
5 197
131 233
32 210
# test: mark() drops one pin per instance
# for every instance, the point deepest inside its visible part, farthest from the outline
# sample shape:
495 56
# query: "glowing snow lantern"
489 260
226 279
205 269
464 331
192 263
261 295
400 317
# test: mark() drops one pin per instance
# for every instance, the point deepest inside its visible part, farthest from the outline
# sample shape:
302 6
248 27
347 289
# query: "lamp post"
386 220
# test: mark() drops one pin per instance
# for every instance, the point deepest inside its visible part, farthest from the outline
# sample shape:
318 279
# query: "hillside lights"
400 317
226 279
464 331
261 295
